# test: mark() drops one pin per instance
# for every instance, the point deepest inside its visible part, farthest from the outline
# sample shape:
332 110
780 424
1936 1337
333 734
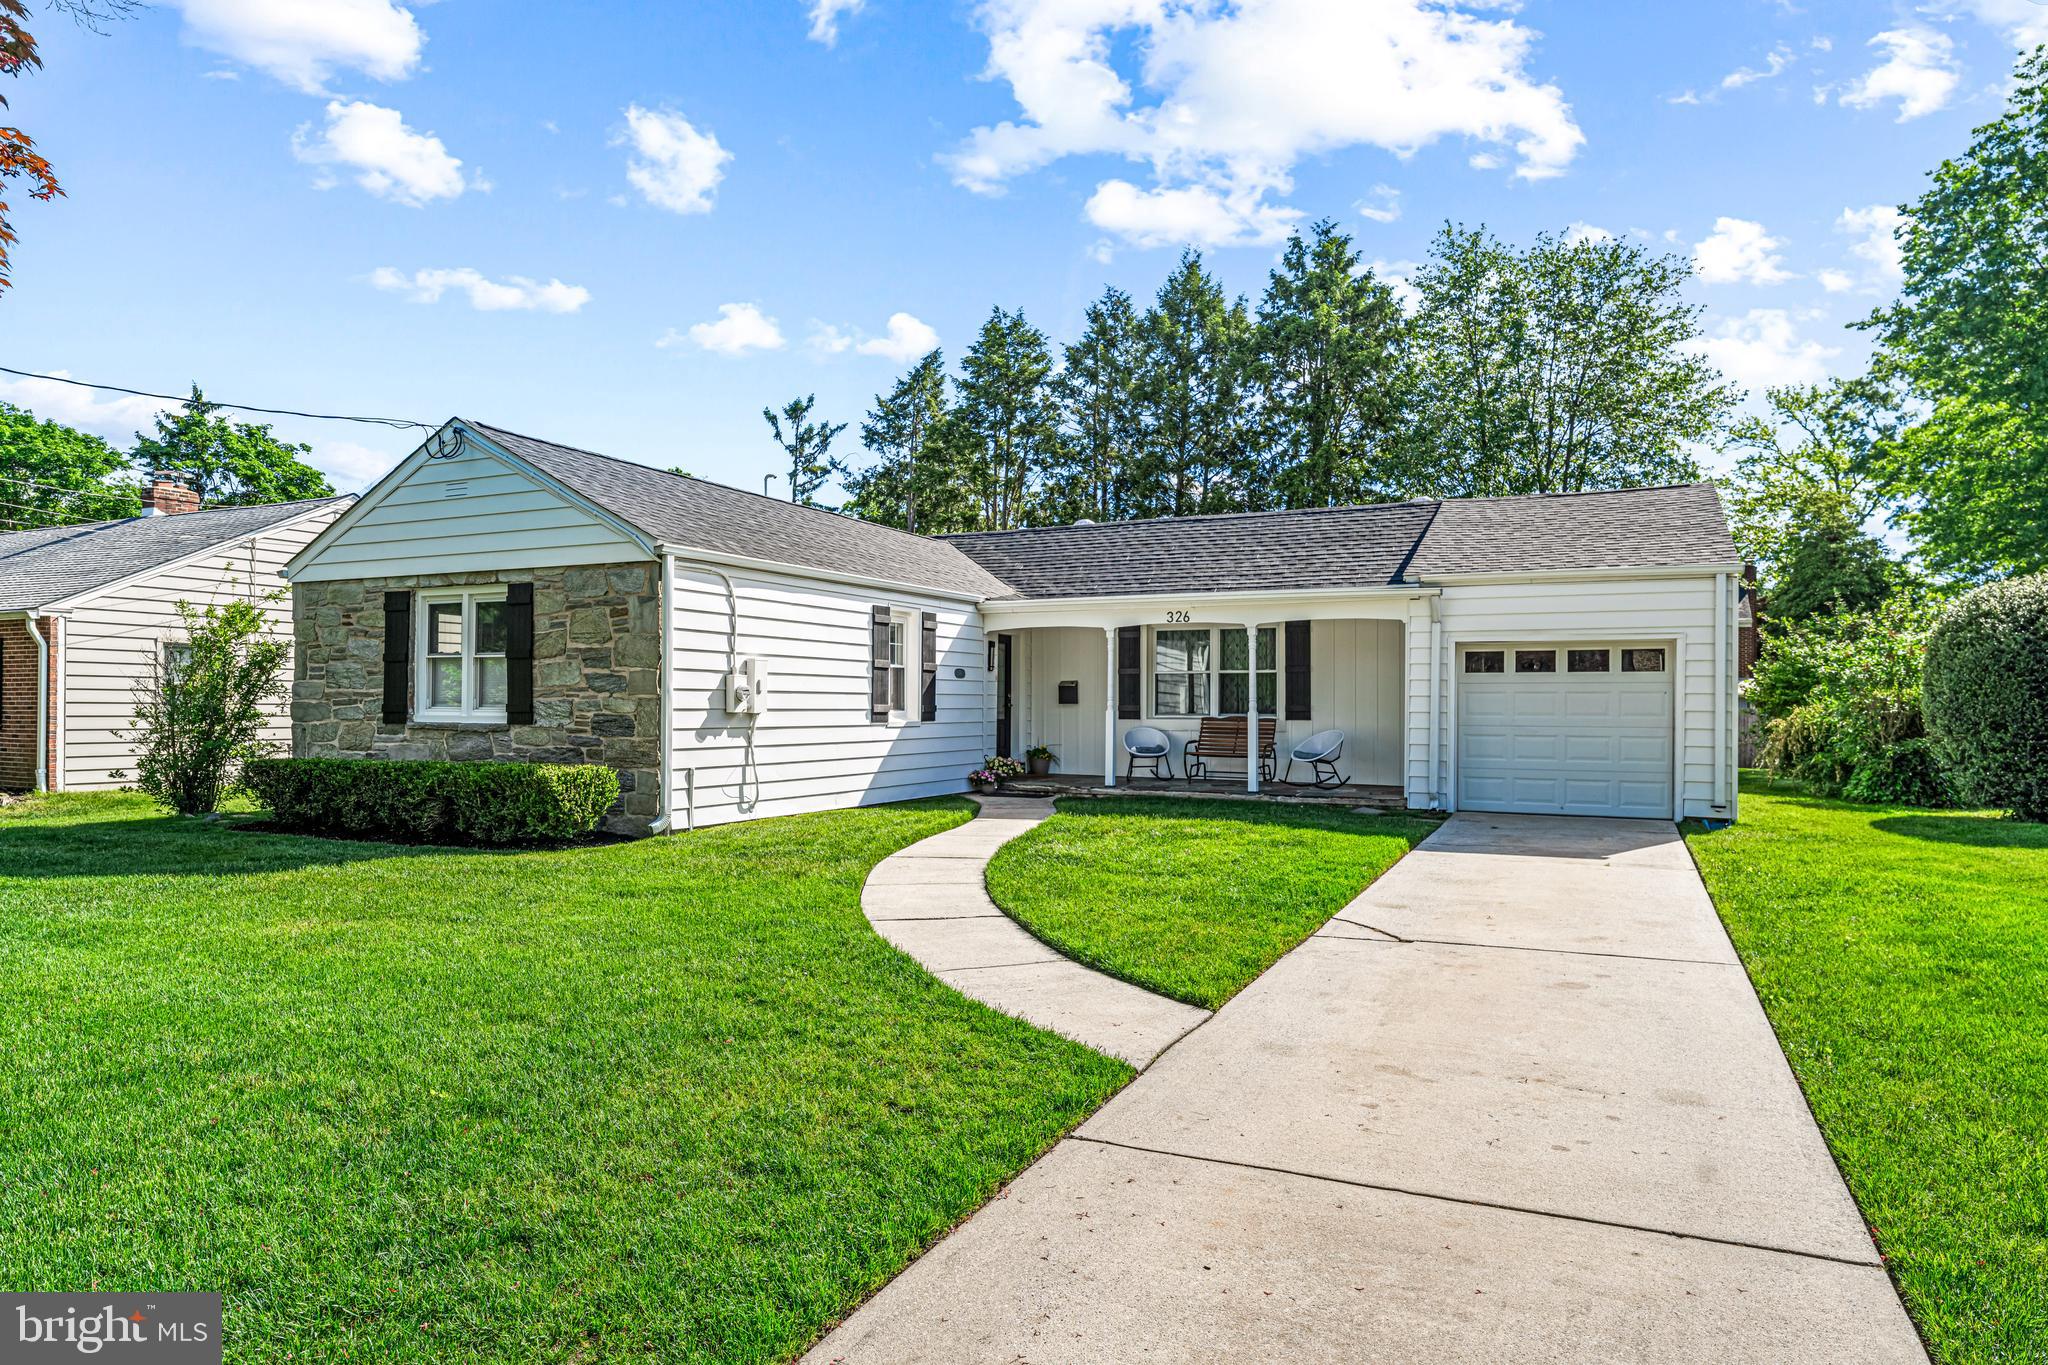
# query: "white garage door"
1565 729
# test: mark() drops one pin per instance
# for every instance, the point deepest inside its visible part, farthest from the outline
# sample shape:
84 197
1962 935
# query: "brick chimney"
167 496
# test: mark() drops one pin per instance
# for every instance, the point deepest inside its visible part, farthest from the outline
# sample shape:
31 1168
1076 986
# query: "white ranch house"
734 656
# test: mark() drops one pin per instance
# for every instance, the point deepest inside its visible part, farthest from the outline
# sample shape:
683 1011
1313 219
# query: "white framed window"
1181 672
903 667
1208 671
463 634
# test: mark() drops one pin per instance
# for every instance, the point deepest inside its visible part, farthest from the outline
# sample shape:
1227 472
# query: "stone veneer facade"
596 683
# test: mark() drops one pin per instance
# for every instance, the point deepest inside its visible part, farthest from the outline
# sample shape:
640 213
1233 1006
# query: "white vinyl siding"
1678 610
817 746
473 513
112 640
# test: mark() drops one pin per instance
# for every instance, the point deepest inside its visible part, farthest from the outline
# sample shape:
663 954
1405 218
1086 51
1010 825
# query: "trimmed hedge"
434 803
1986 695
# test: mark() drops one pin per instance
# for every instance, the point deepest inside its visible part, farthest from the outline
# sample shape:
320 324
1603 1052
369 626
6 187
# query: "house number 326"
1177 618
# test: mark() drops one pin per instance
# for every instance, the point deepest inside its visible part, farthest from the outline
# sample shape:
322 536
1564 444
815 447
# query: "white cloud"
1875 240
1484 161
825 18
1172 216
674 166
390 160
1586 232
1383 206
1221 101
741 327
303 42
906 338
2024 22
826 339
1763 348
514 292
1836 281
115 417
1919 71
1740 252
1775 63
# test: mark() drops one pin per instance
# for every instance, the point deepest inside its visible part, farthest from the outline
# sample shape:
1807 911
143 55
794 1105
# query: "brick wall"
596 685
18 705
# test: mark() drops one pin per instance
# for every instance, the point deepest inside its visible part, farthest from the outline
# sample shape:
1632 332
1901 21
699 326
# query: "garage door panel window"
1586 660
1642 661
1484 660
1535 661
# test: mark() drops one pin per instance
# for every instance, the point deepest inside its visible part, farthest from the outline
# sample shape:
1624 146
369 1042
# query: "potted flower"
994 772
982 780
1040 757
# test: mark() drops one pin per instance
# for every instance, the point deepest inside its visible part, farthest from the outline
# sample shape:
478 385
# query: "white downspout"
664 816
42 704
1436 706
1109 706
1721 614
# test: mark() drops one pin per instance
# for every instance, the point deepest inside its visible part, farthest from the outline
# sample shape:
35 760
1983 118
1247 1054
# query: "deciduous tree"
806 444
51 475
230 463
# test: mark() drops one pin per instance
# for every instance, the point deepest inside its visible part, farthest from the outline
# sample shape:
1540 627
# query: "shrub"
200 711
1840 698
1987 695
475 803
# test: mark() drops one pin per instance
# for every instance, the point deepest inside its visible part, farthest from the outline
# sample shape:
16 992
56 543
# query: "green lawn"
1903 958
1191 898
671 1099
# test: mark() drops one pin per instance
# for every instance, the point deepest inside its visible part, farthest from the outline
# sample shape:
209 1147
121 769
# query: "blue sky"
629 227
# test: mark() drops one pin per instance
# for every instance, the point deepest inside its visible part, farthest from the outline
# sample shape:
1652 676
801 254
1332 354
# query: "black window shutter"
519 653
397 655
878 654
1130 679
928 653
1297 670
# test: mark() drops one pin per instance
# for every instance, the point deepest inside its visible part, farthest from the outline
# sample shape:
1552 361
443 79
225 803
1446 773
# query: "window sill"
439 724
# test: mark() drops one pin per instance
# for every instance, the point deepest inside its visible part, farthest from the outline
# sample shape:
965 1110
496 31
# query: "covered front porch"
1086 679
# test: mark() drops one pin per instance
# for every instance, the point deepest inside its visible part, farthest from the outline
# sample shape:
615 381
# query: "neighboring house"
734 656
87 611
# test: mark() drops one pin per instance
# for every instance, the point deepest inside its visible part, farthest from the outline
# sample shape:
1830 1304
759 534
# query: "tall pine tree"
1332 355
1094 476
1192 392
1006 412
916 481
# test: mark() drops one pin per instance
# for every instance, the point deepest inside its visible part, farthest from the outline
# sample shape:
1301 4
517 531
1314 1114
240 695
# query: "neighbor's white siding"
473 513
1680 610
112 640
1355 685
815 748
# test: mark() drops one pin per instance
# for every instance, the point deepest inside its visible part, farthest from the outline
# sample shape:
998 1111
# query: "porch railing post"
1109 706
1252 717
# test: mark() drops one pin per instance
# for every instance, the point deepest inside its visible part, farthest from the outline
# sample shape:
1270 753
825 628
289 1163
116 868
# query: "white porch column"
1252 716
1109 706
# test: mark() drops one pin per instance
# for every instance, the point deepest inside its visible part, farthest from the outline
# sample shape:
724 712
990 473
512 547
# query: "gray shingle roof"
1334 547
681 510
1375 546
1630 528
53 563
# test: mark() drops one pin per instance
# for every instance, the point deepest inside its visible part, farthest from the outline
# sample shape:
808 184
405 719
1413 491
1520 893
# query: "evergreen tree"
807 445
1192 393
1007 418
1100 420
1332 359
916 482
232 464
1564 368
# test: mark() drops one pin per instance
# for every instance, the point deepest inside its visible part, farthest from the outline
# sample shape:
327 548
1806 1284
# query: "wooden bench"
1224 737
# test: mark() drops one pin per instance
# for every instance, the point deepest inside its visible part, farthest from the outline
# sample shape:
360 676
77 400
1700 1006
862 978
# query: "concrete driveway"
1515 1102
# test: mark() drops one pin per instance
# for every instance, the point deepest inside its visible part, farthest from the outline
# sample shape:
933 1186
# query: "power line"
400 423
103 491
45 512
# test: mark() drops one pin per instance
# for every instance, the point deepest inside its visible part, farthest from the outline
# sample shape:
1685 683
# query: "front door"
1004 687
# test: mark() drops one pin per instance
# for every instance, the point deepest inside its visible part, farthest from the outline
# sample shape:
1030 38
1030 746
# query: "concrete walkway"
1516 1102
929 900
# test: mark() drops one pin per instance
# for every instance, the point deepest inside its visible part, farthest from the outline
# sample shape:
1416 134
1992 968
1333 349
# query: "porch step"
1375 799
